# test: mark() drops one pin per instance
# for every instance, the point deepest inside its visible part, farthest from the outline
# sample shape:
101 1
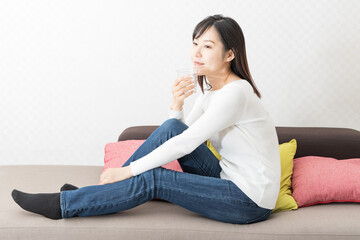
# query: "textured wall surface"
75 74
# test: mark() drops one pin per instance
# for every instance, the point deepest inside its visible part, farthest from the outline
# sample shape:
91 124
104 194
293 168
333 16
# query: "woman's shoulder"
238 86
242 82
235 87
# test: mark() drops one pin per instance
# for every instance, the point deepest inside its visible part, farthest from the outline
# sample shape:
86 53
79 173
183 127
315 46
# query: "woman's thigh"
215 198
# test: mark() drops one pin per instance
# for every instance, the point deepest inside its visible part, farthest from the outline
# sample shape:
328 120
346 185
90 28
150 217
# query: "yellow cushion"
285 200
287 150
213 150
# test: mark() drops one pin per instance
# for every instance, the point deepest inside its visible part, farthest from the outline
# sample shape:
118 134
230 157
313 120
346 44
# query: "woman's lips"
198 63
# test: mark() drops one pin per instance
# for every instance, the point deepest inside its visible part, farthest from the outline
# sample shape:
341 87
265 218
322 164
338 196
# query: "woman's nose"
198 52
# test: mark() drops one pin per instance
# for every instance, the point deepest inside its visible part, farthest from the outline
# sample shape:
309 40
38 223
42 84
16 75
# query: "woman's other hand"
181 89
112 175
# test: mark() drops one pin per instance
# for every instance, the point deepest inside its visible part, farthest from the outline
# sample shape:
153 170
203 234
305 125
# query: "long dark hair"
232 38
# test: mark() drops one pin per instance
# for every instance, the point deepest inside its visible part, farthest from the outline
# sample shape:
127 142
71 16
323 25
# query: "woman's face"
207 53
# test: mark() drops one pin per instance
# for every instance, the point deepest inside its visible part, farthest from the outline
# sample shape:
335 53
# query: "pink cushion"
117 153
319 180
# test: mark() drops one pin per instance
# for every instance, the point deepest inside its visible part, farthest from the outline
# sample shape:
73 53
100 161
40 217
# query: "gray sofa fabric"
159 219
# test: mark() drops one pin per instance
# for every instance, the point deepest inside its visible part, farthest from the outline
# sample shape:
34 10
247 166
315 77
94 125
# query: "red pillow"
117 153
319 180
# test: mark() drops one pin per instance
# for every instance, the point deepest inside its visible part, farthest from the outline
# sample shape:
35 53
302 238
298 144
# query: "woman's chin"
201 70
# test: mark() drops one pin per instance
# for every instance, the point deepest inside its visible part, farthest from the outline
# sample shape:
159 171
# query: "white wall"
75 74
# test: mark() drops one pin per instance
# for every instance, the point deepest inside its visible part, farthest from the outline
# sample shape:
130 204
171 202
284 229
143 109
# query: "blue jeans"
199 188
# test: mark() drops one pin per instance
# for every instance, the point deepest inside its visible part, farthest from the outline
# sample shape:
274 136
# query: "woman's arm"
194 114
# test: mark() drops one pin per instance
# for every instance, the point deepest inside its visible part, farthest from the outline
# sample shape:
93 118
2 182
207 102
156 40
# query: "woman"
241 188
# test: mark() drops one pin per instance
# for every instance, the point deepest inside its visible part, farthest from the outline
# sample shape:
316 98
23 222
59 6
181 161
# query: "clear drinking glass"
191 72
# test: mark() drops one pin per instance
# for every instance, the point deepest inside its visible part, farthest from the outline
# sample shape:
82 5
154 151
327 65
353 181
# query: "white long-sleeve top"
240 129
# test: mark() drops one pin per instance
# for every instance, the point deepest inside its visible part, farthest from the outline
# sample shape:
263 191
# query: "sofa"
159 219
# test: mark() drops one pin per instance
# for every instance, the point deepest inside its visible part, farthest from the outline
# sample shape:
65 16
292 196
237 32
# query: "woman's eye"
206 46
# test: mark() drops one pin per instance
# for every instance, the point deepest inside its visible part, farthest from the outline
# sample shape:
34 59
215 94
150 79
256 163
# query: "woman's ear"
230 56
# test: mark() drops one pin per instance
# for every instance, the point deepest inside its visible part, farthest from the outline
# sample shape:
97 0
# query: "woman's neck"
220 80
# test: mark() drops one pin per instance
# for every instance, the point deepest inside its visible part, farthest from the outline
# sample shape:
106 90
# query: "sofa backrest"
340 143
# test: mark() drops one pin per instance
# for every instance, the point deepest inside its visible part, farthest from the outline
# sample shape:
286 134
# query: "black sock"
67 187
46 204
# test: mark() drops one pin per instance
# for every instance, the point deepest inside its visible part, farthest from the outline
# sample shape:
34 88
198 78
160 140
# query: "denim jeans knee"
175 124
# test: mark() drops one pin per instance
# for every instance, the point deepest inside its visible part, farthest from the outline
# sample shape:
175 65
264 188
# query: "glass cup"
189 72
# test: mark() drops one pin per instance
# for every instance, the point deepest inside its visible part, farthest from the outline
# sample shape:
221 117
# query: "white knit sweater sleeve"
225 109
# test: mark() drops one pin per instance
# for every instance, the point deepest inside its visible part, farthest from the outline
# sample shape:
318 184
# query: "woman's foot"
68 187
46 204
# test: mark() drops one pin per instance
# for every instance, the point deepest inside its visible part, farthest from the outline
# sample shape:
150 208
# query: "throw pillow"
213 150
117 153
318 180
285 201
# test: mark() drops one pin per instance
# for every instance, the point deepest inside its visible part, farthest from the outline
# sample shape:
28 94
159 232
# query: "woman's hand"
112 175
180 86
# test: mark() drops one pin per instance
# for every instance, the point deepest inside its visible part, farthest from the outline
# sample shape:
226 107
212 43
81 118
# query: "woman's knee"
174 124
